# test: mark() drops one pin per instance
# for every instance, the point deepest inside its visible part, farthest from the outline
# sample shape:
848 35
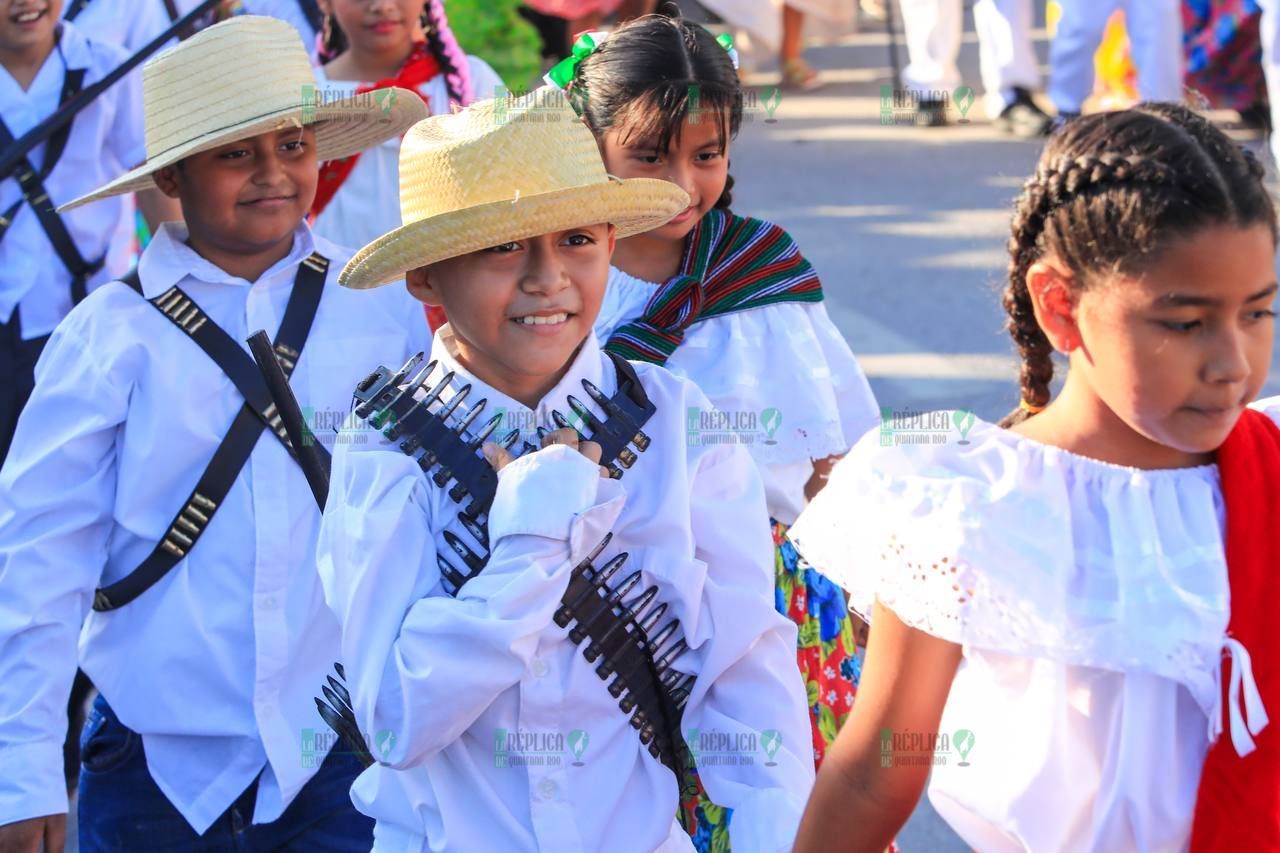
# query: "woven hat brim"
340 132
632 206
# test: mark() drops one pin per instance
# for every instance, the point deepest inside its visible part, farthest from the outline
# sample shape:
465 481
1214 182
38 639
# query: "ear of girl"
1063 583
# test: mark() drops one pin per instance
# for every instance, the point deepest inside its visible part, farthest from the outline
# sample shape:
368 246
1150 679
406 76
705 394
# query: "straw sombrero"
504 170
243 77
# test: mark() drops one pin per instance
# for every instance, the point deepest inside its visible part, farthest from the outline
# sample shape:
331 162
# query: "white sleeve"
57 489
485 82
127 135
421 665
748 683
147 20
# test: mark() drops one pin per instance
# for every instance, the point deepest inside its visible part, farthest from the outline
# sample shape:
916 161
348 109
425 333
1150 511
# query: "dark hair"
441 44
650 75
1110 193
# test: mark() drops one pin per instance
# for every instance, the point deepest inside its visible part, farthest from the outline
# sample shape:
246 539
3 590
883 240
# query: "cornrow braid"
446 50
1110 193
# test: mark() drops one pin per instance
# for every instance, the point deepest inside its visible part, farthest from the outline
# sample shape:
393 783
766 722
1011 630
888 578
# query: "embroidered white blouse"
1091 601
789 358
441 680
368 203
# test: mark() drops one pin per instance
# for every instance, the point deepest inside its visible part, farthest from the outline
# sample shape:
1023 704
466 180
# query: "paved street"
907 226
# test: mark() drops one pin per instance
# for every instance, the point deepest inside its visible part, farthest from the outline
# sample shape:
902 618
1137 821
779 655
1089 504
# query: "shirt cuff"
541 493
31 781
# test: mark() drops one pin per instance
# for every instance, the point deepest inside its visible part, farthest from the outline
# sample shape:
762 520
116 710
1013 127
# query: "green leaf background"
495 32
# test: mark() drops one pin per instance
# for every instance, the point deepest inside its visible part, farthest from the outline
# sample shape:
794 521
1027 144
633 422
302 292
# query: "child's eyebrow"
1184 300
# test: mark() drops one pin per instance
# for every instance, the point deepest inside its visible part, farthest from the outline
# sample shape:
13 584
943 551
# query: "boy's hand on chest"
499 458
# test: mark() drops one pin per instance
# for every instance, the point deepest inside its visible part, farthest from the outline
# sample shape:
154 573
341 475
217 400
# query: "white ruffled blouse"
1091 601
789 358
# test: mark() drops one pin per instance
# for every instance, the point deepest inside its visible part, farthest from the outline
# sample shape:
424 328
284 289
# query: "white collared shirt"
216 665
106 140
289 11
440 682
128 24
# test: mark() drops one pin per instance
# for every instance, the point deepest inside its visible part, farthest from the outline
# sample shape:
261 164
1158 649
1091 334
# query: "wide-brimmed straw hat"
504 170
244 77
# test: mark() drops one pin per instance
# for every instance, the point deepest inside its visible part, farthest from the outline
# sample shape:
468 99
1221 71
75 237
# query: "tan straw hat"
244 77
504 170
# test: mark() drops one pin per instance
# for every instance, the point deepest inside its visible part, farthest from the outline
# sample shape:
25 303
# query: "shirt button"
547 789
540 668
269 602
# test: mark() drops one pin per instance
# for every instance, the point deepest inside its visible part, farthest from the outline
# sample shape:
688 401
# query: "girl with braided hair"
365 45
1058 602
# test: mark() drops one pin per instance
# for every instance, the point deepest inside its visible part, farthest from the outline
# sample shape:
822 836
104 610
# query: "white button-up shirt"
106 140
496 733
216 665
129 24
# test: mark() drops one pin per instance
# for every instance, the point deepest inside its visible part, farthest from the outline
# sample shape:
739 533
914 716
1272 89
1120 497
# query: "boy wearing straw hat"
150 480
542 649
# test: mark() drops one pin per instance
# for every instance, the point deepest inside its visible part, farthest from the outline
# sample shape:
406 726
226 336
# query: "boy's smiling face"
520 310
245 198
28 24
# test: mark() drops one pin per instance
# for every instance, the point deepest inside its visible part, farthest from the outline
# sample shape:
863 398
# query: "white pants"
1271 66
1155 33
1005 56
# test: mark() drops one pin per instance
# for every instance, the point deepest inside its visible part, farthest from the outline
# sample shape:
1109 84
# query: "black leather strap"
31 182
311 10
74 8
229 459
184 313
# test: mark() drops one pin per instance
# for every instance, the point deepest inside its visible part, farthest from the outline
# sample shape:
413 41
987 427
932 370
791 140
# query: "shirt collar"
74 46
589 363
168 260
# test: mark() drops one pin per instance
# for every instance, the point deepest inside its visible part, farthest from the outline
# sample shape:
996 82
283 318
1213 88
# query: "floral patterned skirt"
830 658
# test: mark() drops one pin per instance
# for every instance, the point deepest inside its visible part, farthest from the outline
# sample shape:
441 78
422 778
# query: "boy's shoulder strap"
31 183
183 311
74 8
233 452
312 12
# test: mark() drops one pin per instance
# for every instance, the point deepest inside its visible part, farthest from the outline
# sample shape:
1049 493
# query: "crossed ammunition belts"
623 633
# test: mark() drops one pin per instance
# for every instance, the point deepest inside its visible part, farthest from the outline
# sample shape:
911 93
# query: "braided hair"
650 75
442 45
1110 193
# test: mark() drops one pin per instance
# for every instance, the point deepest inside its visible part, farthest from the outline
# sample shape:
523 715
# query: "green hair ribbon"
562 73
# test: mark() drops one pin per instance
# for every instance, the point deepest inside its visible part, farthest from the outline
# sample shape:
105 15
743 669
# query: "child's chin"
268 233
676 230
